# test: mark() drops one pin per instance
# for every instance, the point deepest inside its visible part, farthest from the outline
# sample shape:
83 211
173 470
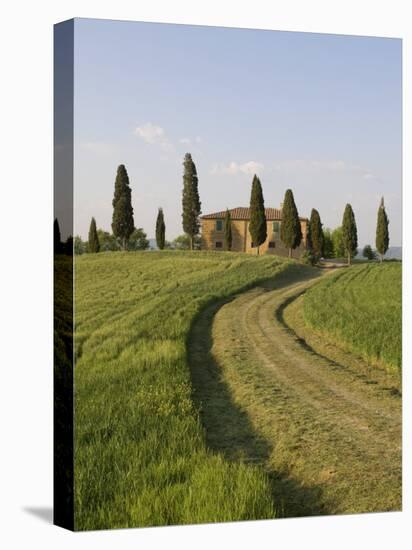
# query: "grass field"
140 452
361 309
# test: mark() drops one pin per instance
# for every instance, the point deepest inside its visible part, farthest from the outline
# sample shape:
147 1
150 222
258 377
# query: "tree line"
342 242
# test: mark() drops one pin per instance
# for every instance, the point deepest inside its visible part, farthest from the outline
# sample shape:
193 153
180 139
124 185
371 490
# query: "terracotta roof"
243 213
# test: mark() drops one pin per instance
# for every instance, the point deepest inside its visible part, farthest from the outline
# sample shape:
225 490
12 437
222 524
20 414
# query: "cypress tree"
315 234
349 233
68 246
257 224
94 244
122 221
228 231
160 230
290 229
57 237
382 231
190 200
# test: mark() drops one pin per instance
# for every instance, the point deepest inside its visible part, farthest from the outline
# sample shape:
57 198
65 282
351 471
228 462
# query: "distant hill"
394 253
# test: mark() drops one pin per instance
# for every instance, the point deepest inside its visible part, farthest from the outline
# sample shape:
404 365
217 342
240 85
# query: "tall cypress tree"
94 244
315 234
160 230
257 224
68 246
122 221
349 233
228 231
290 229
57 237
190 200
382 231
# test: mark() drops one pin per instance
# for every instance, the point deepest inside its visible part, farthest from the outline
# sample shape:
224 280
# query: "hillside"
141 455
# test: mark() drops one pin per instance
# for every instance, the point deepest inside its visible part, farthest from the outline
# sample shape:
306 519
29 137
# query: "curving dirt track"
325 426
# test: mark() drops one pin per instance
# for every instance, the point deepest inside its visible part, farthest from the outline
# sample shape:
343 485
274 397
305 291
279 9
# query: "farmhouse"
213 232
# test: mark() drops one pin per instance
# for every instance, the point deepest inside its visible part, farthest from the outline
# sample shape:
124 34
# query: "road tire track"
324 426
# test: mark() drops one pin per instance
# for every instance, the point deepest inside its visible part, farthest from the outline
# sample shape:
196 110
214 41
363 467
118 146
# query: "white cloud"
190 141
150 133
155 135
314 164
334 165
251 167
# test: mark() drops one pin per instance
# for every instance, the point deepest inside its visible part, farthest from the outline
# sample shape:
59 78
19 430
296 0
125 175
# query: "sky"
319 114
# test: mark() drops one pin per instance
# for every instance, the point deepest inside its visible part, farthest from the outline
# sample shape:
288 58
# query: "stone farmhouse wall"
213 239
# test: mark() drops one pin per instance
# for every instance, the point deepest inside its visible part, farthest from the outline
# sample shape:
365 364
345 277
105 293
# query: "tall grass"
361 308
140 453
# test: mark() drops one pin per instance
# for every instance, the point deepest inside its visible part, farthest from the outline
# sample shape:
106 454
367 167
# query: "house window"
276 227
252 244
219 225
218 244
271 244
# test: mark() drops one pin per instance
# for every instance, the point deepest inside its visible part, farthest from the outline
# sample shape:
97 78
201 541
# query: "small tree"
94 245
122 222
257 224
160 230
315 235
327 243
290 229
79 246
57 237
190 200
107 241
182 242
228 231
337 243
138 240
368 253
349 233
382 231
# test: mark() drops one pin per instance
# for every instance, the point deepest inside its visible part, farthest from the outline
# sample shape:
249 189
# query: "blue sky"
320 114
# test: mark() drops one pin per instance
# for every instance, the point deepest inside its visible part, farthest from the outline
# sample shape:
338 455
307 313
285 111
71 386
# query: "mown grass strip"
361 308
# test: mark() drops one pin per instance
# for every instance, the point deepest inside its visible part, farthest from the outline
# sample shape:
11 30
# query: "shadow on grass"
228 429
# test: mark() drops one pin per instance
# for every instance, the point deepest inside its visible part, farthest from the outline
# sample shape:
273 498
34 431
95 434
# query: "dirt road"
324 425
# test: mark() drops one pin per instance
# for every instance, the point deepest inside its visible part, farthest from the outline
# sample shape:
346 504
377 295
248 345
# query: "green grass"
140 452
361 308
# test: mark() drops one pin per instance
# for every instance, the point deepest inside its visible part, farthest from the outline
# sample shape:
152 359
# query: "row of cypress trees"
349 233
123 220
291 232
290 228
